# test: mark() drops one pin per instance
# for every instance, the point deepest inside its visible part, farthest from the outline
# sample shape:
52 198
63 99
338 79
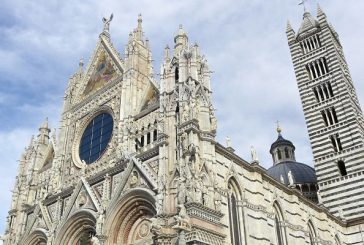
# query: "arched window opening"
324 117
328 113
326 91
286 152
279 154
234 217
334 115
279 229
339 142
317 70
342 168
316 94
312 233
334 143
330 89
309 73
322 68
176 75
312 44
155 135
148 138
326 66
337 240
142 141
321 93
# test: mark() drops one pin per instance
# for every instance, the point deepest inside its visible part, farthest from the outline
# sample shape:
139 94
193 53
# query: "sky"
244 41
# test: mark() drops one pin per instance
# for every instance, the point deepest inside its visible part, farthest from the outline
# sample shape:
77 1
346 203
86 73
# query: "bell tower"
332 112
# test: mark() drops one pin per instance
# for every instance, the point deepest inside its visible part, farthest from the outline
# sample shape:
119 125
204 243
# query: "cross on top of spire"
303 3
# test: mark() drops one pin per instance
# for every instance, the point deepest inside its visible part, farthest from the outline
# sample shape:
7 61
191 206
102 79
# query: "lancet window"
317 68
336 143
309 44
234 214
329 116
323 92
311 233
279 228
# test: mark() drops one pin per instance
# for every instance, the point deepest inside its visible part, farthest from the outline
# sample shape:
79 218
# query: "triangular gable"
38 219
105 66
150 98
83 197
143 179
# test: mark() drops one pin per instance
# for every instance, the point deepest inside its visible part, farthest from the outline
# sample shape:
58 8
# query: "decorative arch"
311 232
37 237
77 229
337 240
280 230
236 214
128 222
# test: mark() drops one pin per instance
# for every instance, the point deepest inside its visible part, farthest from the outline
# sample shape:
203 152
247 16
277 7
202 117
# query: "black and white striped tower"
332 112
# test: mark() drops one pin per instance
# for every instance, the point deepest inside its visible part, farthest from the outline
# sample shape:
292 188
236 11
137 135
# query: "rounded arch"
37 237
78 227
128 222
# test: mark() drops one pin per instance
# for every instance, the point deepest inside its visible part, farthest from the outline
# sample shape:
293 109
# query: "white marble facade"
161 178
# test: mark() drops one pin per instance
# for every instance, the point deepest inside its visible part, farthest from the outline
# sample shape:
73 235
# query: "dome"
301 173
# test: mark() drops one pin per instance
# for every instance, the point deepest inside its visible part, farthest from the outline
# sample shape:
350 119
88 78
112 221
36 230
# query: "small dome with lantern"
288 171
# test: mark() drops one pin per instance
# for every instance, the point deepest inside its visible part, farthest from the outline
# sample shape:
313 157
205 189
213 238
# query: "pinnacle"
319 10
289 26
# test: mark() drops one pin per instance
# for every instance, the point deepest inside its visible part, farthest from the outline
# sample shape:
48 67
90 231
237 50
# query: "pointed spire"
139 29
166 53
319 10
45 124
44 132
289 27
181 37
321 16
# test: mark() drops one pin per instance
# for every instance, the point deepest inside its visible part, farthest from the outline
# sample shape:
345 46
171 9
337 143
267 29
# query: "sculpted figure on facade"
107 23
182 219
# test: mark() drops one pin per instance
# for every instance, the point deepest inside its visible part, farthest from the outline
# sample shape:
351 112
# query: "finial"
180 26
45 124
166 52
140 20
303 2
279 130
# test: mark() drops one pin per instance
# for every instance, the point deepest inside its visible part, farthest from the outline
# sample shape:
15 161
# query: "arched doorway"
38 237
78 230
128 223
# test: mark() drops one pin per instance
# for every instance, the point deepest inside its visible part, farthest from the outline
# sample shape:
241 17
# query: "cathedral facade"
136 160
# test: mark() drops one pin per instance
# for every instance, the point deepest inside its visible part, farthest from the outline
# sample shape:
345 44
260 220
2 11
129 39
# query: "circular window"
95 138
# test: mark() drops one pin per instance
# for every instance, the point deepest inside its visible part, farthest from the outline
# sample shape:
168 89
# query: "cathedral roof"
301 173
308 23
